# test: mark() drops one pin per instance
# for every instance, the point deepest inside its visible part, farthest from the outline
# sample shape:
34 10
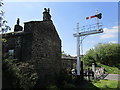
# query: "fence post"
93 69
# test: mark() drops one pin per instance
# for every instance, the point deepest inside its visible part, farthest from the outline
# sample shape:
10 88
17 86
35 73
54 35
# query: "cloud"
112 41
89 42
110 33
107 36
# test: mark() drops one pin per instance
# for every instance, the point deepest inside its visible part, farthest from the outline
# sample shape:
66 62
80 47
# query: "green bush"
21 74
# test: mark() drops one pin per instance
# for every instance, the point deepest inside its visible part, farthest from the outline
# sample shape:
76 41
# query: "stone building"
68 62
38 44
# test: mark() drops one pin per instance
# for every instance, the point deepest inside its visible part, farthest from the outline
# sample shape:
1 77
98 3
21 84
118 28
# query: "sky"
65 16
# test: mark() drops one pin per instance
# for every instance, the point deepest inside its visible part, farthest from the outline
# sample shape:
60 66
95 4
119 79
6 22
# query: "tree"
3 22
63 53
107 53
89 58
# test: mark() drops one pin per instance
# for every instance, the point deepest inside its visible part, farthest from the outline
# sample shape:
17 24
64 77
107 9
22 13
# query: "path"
113 77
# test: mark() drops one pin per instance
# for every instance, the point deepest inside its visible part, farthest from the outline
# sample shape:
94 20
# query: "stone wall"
13 43
16 41
26 47
45 50
68 62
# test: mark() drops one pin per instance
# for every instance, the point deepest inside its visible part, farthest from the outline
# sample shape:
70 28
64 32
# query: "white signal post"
85 33
97 20
78 50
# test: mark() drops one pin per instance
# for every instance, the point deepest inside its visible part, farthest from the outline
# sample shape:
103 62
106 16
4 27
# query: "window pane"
11 52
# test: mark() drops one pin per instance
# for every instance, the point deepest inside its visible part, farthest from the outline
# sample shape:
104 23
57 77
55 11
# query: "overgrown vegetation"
66 80
107 54
19 74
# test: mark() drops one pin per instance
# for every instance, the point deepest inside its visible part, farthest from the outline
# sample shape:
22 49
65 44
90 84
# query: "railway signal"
97 15
86 33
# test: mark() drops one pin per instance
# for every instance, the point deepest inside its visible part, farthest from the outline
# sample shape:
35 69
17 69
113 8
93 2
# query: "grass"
106 84
109 69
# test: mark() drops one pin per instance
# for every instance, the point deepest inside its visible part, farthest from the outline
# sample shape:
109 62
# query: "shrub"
21 74
66 77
